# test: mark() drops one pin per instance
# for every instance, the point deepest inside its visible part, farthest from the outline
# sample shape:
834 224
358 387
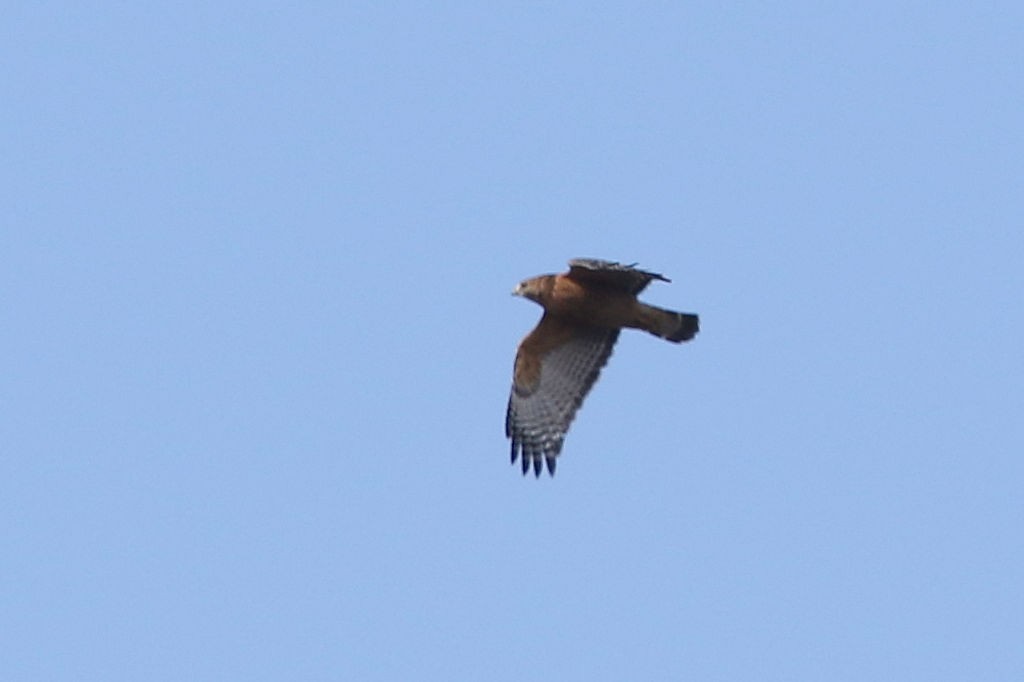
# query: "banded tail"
669 325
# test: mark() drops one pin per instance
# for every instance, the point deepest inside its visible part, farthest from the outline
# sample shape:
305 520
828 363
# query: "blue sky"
258 338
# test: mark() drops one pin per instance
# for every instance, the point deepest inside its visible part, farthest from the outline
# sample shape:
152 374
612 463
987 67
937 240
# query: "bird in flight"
558 362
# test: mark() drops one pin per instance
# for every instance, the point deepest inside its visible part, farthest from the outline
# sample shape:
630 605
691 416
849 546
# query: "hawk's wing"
556 365
613 275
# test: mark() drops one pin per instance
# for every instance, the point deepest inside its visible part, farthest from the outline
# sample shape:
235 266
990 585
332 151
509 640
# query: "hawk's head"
532 289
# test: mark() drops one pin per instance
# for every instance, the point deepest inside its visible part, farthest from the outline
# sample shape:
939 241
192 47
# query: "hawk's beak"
518 291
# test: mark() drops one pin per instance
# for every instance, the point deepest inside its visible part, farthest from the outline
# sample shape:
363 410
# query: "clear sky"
257 340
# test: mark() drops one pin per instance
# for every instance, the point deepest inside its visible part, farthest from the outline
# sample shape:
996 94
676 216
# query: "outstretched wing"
556 365
612 275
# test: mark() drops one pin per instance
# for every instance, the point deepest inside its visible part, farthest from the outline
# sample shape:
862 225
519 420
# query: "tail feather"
669 325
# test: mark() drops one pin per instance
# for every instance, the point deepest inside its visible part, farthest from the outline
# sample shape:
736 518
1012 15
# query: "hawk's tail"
675 327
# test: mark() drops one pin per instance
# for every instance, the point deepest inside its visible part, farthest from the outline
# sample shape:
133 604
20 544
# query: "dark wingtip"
538 466
551 465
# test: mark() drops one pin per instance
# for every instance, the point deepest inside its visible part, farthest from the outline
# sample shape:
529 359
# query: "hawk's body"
559 361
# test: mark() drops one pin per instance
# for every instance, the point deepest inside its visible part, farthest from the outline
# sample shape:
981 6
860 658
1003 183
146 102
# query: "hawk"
558 362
